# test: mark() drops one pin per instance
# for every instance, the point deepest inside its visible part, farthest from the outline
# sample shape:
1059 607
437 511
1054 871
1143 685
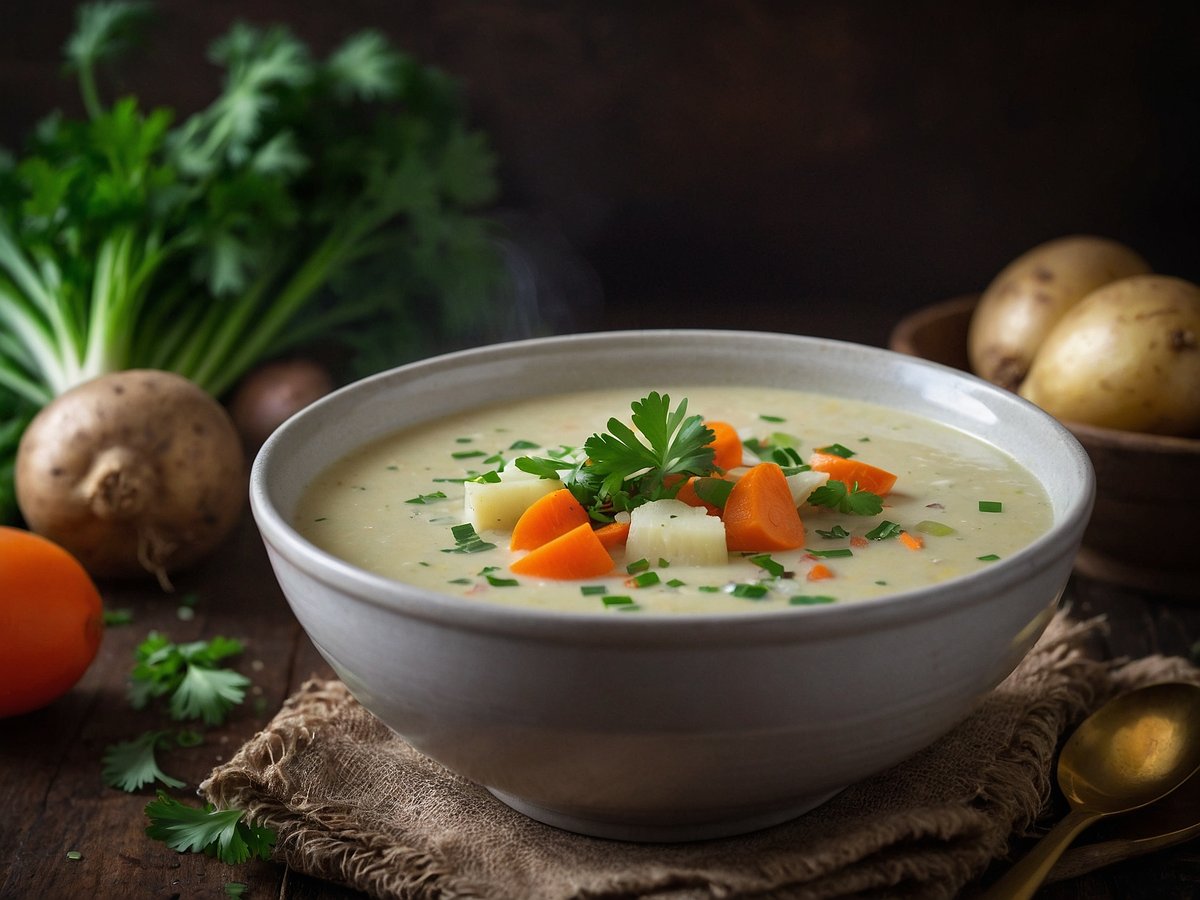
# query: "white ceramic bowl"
669 727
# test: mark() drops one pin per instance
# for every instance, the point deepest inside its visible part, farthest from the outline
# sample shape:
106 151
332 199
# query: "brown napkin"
355 804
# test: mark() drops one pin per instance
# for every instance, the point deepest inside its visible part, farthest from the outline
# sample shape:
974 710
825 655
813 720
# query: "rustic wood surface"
53 799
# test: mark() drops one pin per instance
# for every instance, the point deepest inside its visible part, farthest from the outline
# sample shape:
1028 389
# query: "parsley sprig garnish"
852 501
189 676
624 468
220 833
129 765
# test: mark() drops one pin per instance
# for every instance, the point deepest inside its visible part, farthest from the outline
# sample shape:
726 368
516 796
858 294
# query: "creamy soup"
396 507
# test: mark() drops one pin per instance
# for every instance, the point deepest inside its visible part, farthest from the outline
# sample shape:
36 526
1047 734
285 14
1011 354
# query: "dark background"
834 163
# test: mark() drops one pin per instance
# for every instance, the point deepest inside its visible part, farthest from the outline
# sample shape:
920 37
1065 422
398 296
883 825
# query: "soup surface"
957 506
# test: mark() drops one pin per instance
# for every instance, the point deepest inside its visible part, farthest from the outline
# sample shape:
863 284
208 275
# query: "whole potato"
1029 295
1127 356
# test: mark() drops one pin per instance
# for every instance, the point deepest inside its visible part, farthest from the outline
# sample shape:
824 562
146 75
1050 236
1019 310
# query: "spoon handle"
1020 882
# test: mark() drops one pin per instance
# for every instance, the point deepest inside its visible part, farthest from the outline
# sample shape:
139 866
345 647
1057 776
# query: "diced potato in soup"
434 506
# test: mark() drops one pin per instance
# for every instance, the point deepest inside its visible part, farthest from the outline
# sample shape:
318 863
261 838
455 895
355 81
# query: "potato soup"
409 506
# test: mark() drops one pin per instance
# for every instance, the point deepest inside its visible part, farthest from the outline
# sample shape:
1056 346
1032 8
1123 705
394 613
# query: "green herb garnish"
644 579
426 499
837 450
769 565
991 506
830 554
129 765
749 591
466 540
190 676
810 599
834 533
884 530
854 502
624 467
988 557
219 833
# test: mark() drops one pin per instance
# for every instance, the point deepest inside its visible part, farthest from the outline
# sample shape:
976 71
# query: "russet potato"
1029 296
1127 356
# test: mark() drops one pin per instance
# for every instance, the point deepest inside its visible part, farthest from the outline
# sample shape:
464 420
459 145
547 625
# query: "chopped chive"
837 531
991 506
392 468
114 617
837 450
769 418
427 498
881 583
321 519
593 590
937 529
74 854
749 591
830 554
644 579
463 440
461 581
764 561
709 589
640 565
467 454
810 599
612 600
523 445
497 581
663 563
988 557
884 530
787 457
467 541
675 582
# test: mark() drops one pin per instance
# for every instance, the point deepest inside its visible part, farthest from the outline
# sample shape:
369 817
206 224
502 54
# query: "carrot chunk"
851 472
911 541
548 517
613 534
727 446
760 513
819 572
576 554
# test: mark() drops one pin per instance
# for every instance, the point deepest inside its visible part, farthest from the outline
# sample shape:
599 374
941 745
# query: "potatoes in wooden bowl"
1141 530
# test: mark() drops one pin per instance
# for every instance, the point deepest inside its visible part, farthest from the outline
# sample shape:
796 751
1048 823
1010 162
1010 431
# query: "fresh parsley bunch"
312 199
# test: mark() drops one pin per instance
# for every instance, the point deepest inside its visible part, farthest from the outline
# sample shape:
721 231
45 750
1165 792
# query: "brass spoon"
1164 823
1129 753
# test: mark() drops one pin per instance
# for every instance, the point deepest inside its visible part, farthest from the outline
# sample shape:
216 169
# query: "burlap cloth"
355 804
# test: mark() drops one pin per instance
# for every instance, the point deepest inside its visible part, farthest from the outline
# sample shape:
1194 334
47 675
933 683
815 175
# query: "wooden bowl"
1142 533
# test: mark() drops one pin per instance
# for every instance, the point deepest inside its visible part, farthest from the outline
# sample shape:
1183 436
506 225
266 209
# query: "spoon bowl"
1133 751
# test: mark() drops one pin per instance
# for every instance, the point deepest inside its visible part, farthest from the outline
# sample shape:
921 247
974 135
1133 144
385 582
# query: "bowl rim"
763 626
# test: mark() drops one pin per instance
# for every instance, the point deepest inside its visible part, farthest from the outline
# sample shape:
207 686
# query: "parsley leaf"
218 833
189 676
856 502
129 765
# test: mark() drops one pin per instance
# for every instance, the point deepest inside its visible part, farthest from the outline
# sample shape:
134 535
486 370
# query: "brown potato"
1028 297
132 472
1127 356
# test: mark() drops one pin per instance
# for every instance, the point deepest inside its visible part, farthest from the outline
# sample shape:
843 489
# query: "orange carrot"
727 446
549 516
819 572
911 541
851 472
576 554
613 534
858 541
760 513
687 494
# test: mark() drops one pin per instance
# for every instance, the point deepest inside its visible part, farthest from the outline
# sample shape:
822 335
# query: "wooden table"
53 800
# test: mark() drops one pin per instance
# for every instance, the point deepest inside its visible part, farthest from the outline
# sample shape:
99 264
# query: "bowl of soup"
664 692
